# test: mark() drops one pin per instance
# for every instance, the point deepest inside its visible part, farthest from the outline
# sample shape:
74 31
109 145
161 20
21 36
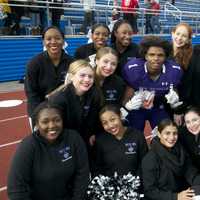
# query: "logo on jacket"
65 154
130 148
111 95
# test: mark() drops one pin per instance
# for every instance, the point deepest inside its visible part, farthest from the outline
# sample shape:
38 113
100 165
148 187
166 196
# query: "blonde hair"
74 67
105 50
184 53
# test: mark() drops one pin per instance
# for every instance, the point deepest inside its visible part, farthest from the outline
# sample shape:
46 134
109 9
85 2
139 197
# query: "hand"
186 194
148 97
173 98
135 102
154 132
178 119
124 113
92 140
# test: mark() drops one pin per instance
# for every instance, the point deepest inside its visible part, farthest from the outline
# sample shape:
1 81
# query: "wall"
15 52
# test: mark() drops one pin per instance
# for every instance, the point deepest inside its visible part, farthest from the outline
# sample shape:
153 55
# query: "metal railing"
103 14
170 9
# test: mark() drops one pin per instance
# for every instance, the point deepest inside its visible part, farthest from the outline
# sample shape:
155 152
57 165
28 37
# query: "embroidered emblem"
65 153
130 148
111 95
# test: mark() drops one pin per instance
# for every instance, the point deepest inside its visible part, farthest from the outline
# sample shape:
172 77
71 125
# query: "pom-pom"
114 188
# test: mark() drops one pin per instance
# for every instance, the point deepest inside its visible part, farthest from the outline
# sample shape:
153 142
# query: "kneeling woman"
80 100
166 167
119 149
51 163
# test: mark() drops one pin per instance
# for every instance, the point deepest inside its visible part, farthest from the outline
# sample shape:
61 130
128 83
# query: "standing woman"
182 54
80 100
121 41
188 57
182 44
100 34
190 134
119 148
112 86
167 169
46 71
51 163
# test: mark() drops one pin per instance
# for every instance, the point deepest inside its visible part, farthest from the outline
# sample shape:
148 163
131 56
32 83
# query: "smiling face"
168 136
53 41
49 124
192 122
180 36
112 123
106 65
123 35
155 58
83 80
100 37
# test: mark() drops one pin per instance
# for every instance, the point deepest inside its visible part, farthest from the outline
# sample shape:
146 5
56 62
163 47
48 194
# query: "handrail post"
48 13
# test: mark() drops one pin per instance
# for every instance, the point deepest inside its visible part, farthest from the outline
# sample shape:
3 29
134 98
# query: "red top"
129 5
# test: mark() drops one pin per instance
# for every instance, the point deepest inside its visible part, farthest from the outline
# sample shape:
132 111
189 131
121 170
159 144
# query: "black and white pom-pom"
100 188
127 187
114 188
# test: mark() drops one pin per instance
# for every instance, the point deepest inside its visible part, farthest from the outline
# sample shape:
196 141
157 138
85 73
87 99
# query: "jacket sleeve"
143 149
150 176
93 119
81 178
32 87
192 174
98 163
19 177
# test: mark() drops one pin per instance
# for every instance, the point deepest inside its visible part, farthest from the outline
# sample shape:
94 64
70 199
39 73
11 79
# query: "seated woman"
118 149
189 134
112 86
167 169
51 163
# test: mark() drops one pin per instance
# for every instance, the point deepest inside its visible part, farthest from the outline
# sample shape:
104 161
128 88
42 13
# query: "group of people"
88 115
14 10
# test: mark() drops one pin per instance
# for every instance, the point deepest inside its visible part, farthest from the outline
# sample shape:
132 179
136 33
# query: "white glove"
148 95
154 132
135 102
148 98
124 113
173 98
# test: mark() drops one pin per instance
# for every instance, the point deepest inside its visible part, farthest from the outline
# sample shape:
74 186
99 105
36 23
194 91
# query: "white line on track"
13 118
3 188
10 143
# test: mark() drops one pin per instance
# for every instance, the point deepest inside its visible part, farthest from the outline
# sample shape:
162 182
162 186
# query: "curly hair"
154 41
184 53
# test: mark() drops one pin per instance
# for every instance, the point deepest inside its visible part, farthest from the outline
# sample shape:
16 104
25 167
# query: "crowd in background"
13 11
88 115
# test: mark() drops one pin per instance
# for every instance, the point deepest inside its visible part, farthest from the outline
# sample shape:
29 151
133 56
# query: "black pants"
88 21
132 19
148 27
